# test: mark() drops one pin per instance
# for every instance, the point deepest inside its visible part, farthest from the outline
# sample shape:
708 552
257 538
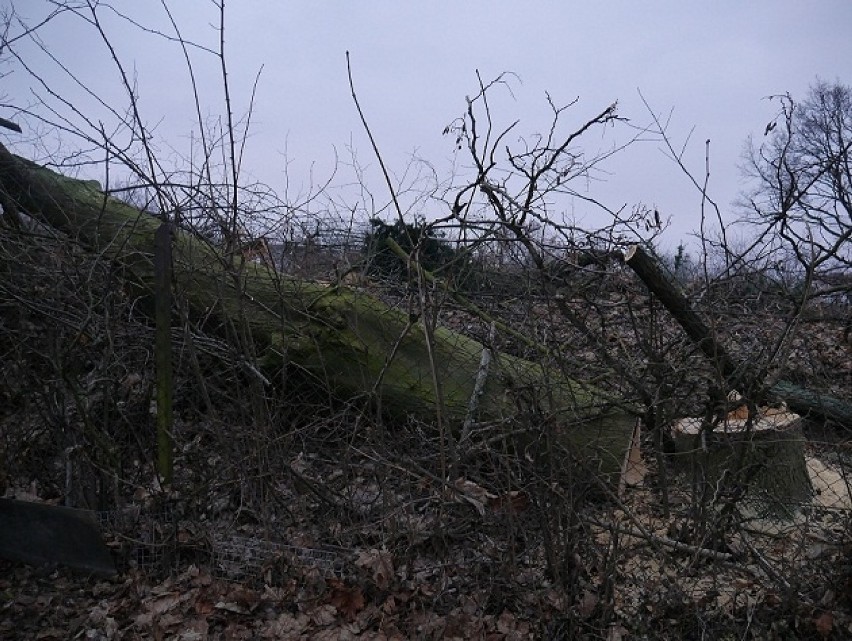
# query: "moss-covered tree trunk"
348 341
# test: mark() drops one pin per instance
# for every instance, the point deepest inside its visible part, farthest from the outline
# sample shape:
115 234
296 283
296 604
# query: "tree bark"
347 341
813 404
678 305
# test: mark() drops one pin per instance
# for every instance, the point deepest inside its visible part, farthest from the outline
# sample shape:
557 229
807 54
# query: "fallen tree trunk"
810 403
351 343
678 305
737 373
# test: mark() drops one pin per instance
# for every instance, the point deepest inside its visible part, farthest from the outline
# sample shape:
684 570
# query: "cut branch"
674 300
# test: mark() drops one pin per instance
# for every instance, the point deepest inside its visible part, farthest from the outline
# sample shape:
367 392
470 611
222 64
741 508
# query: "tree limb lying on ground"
342 339
739 375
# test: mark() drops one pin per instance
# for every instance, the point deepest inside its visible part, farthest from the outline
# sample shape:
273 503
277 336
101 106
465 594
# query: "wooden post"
163 349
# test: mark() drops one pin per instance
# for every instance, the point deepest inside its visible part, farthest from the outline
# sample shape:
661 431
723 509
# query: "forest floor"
412 560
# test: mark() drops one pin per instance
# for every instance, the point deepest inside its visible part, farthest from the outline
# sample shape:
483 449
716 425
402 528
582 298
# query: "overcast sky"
711 64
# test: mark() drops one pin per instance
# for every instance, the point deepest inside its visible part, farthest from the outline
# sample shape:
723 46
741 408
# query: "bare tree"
521 188
803 196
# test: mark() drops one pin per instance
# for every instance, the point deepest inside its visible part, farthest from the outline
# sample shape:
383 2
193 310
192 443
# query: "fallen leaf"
230 606
616 632
348 601
512 502
587 604
323 615
824 623
287 626
506 622
389 606
379 564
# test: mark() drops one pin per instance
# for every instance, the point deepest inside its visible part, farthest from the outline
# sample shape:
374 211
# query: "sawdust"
832 488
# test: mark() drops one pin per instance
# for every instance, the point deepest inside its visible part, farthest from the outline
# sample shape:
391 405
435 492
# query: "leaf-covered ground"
446 576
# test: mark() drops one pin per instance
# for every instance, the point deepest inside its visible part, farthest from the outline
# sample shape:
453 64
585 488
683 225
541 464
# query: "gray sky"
712 63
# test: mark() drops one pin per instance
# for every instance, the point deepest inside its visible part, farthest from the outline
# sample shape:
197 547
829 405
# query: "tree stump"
759 458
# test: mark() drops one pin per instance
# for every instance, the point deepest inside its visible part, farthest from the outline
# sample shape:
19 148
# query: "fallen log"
812 404
738 374
347 341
